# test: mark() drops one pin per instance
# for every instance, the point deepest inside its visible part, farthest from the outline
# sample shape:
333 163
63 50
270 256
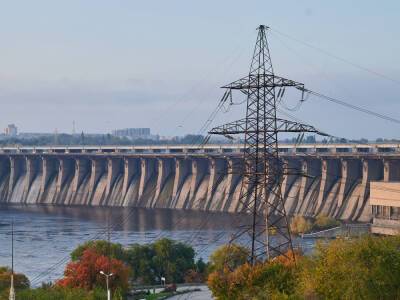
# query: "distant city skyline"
109 65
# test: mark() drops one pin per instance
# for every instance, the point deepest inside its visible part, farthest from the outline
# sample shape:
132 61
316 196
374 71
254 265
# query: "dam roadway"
337 181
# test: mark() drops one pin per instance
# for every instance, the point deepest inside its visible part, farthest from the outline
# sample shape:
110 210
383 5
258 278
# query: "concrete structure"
385 202
341 150
338 183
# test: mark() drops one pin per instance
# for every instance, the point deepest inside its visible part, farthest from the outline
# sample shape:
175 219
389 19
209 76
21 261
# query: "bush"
262 281
20 280
228 256
300 224
324 222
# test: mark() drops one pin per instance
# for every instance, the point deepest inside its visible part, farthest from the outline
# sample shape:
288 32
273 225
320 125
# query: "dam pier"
355 183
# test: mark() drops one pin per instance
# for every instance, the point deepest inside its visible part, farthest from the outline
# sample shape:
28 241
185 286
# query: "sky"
159 64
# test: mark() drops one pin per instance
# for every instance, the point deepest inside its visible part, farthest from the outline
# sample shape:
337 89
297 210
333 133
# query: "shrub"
20 280
324 222
300 224
262 281
228 256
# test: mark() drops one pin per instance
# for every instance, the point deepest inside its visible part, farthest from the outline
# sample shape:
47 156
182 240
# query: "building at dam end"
385 203
353 183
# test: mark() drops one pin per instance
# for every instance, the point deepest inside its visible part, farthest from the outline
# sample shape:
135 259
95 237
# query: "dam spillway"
328 180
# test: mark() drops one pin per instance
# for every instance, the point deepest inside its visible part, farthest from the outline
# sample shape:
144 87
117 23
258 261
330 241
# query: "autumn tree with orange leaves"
85 272
275 279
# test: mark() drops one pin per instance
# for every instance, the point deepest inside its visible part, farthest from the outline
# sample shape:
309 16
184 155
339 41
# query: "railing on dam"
285 149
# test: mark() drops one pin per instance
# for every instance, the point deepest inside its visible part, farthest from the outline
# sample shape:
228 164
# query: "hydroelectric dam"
332 179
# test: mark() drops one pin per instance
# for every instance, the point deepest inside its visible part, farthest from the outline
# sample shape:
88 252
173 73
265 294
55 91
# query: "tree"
164 258
300 224
20 280
102 247
365 268
230 256
85 272
269 280
140 259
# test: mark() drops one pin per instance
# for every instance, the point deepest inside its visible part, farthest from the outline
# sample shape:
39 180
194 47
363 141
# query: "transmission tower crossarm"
239 127
262 80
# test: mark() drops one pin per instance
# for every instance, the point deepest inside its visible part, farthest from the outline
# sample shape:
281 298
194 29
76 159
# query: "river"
44 236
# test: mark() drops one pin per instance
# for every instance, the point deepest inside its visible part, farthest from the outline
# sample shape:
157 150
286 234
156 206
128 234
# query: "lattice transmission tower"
263 170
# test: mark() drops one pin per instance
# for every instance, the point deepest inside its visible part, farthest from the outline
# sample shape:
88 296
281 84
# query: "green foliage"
324 222
272 280
230 256
164 258
365 268
300 224
95 139
60 293
102 247
20 280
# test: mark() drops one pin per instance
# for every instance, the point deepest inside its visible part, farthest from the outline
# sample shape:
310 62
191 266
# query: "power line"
122 222
358 66
352 106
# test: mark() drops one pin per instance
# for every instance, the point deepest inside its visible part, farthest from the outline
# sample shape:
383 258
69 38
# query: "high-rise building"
11 130
134 133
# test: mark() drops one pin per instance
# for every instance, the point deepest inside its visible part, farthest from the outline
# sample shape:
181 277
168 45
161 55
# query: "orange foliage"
289 258
85 273
274 277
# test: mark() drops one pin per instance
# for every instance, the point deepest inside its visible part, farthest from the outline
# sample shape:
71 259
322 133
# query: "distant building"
135 133
11 130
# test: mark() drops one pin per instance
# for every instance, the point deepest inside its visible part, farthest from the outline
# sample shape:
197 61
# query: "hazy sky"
115 64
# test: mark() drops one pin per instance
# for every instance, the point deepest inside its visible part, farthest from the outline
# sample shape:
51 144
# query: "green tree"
365 268
300 224
140 259
230 256
324 222
164 258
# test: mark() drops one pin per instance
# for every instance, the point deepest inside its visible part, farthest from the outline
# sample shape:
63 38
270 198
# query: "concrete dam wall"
333 185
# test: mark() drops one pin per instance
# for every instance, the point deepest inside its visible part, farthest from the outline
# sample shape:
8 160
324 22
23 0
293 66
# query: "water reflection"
45 235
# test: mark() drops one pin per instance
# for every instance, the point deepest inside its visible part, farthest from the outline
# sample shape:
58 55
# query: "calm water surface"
45 235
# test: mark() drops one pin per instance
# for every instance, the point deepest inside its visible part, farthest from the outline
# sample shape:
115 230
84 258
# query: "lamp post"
108 288
12 291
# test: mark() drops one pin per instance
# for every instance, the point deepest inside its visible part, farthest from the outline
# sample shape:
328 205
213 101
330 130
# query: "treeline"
98 139
311 139
189 139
